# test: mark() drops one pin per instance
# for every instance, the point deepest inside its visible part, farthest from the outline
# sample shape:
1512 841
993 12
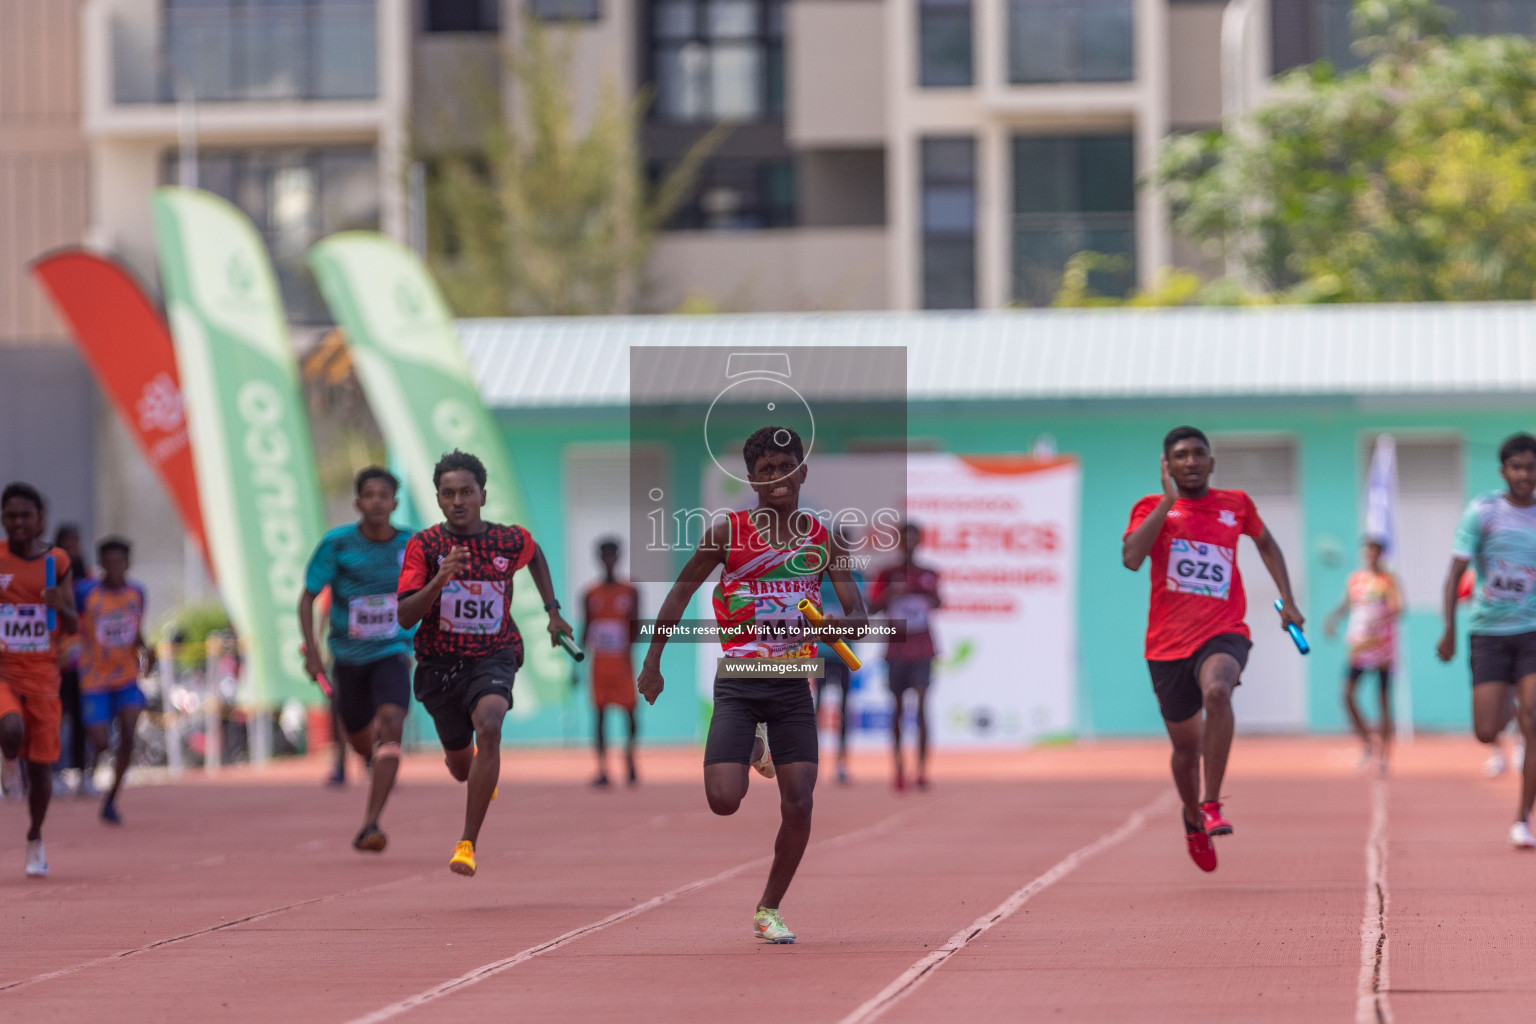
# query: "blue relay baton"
51 578
1295 631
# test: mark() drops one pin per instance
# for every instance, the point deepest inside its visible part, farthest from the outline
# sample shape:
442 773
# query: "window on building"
568 10
737 194
1429 505
1333 36
949 222
944 42
1073 194
717 60
465 15
1071 41
294 198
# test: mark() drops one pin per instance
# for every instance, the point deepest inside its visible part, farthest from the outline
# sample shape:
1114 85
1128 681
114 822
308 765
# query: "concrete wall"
836 75
48 415
1194 65
783 270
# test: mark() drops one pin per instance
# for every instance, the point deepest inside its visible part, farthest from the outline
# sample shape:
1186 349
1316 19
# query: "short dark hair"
1183 433
455 460
608 542
64 530
375 473
1514 445
113 544
772 439
17 489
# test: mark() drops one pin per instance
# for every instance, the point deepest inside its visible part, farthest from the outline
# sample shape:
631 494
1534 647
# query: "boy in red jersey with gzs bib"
1197 639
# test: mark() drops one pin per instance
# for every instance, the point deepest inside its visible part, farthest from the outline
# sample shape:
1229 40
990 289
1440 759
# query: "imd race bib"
1203 569
23 628
473 606
373 617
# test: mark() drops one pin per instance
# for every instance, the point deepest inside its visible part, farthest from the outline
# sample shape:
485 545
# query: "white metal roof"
1407 349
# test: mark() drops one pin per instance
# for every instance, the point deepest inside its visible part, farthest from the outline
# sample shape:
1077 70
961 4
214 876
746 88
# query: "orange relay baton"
811 612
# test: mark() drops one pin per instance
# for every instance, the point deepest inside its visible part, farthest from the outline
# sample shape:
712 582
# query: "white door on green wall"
1273 697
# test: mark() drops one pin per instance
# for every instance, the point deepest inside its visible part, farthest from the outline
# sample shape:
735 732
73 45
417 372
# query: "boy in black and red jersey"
456 580
1197 641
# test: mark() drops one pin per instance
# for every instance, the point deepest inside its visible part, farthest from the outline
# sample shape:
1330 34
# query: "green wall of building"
1118 445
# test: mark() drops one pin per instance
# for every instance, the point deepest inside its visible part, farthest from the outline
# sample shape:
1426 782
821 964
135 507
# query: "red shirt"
912 607
472 617
29 653
1197 592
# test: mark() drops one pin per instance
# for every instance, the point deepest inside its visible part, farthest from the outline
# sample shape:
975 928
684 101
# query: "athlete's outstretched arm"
313 666
700 566
1138 543
538 568
1274 561
1450 598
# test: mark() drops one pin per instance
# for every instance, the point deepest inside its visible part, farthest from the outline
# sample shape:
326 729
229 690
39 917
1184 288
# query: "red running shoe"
1201 850
1210 817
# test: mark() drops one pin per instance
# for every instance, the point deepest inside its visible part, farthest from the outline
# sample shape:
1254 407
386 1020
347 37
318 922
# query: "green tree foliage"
1411 178
553 217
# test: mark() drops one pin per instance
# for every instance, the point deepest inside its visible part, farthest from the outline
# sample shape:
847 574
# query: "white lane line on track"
1371 1003
496 967
221 926
919 972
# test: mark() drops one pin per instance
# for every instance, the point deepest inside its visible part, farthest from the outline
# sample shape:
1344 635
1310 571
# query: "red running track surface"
1044 885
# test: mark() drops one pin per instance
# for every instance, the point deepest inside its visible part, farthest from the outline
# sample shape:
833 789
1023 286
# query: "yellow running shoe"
463 862
763 761
770 927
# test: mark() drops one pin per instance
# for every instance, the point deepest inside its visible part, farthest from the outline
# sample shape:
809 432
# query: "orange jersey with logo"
29 653
110 621
611 609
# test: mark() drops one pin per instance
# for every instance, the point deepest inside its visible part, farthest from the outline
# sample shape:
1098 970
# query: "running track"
1049 885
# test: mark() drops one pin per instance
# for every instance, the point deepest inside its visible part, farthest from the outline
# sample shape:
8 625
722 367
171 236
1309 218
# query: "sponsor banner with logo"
250 435
124 341
1002 533
406 350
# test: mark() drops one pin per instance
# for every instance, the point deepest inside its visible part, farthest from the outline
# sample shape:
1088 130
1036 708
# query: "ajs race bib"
1508 583
1201 569
373 617
473 606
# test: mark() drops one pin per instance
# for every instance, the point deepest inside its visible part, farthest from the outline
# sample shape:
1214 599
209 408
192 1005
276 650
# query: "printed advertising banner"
406 350
250 436
1002 533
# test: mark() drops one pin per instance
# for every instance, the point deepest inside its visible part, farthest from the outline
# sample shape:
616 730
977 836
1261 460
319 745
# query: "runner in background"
1374 602
610 628
371 678
111 644
834 671
457 583
1197 641
908 593
73 732
29 657
1497 538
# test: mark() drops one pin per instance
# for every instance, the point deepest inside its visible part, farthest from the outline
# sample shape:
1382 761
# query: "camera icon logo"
758 388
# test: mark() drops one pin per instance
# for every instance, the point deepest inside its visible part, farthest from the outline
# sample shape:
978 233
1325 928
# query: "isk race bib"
608 636
473 606
373 617
117 629
23 628
1508 583
1203 569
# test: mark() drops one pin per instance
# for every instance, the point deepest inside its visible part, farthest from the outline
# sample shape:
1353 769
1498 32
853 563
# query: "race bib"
373 617
1203 569
23 629
608 636
913 610
780 622
1509 584
473 606
117 629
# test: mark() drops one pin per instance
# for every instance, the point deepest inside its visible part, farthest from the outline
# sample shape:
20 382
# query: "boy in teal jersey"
1497 537
360 562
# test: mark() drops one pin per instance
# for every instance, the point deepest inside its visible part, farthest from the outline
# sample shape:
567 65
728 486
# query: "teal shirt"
1499 539
364 577
829 601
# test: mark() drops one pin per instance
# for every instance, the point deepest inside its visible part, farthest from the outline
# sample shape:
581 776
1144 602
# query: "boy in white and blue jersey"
360 563
1497 537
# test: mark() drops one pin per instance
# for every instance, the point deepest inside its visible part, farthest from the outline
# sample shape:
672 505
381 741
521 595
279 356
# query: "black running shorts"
785 704
1177 682
449 688
1502 659
904 674
361 687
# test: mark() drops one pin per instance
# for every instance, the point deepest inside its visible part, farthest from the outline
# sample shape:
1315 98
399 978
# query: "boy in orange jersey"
111 643
30 710
610 629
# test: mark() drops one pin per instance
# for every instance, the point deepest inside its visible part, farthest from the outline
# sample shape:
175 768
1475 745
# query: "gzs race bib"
23 628
1203 569
473 606
1509 584
373 617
